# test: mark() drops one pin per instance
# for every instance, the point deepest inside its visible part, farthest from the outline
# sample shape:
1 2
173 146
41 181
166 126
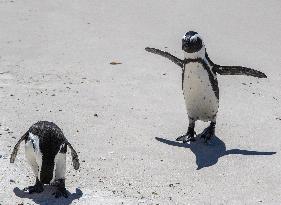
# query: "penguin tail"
16 148
74 155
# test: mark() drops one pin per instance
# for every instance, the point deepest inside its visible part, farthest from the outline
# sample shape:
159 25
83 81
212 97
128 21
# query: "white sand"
63 48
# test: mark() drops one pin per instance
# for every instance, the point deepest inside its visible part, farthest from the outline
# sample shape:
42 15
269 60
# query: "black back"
51 138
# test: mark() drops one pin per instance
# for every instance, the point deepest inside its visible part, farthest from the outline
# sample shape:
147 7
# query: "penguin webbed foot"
37 188
188 137
61 192
208 133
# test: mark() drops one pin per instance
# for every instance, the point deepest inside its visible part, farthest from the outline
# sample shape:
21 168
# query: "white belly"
201 102
60 166
33 154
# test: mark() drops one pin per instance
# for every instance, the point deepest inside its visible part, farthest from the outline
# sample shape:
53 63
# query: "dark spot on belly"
204 98
33 143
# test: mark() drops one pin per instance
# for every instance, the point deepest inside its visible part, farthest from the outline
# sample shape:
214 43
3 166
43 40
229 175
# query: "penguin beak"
186 45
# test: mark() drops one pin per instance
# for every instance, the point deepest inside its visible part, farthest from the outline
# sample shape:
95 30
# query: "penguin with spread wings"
200 84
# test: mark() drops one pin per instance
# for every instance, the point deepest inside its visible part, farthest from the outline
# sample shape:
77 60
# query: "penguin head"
192 43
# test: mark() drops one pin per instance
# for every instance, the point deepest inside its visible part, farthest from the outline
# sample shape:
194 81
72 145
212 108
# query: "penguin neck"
196 55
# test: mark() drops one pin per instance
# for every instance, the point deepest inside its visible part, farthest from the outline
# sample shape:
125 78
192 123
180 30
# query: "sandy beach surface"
123 119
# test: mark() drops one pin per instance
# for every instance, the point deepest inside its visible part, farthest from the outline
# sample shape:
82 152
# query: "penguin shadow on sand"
208 154
46 197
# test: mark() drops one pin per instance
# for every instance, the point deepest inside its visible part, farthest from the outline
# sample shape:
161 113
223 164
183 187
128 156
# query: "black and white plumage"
200 84
45 150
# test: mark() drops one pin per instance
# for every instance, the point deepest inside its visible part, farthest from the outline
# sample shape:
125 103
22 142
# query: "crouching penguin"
45 150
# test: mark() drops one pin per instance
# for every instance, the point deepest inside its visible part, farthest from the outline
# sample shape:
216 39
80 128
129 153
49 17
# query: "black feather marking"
213 80
165 54
208 59
33 144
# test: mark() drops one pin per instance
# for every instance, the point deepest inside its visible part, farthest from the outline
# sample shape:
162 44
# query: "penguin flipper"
165 54
16 148
234 70
238 70
74 155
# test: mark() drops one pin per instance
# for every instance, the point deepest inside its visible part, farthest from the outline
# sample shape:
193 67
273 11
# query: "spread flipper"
238 70
234 70
74 155
172 58
16 148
